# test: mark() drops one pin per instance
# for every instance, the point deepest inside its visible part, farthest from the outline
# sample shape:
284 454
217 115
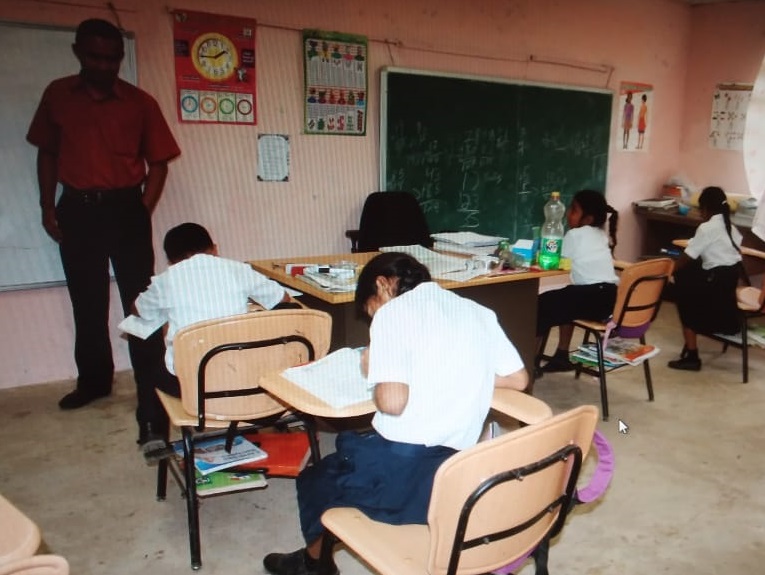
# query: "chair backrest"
506 494
392 219
639 295
19 535
37 565
219 362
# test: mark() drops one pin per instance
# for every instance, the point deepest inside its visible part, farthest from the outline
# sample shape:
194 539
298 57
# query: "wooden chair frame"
212 405
491 504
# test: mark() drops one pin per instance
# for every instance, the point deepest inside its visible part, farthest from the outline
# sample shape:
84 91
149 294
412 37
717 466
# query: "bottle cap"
556 195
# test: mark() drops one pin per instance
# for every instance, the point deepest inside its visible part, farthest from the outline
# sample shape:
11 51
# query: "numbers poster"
214 68
335 83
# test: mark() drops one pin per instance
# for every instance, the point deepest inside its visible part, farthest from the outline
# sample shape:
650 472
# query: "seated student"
435 359
706 294
592 292
197 286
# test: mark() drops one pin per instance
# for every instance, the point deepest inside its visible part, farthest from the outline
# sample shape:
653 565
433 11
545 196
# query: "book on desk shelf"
230 480
288 452
661 203
210 455
618 352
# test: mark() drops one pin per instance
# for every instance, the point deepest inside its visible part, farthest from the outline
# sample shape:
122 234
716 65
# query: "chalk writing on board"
483 155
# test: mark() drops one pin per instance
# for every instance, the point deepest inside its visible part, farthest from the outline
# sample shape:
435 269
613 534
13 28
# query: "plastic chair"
638 300
19 535
19 541
491 504
37 565
751 305
219 364
390 219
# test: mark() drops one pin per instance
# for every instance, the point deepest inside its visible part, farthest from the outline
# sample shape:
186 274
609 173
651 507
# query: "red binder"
287 453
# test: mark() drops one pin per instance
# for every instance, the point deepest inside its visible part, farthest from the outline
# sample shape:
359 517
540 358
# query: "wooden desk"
516 404
512 297
662 227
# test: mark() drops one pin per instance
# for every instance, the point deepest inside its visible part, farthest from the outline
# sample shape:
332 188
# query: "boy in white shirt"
197 286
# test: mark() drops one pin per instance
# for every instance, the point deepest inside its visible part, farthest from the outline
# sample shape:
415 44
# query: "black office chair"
390 219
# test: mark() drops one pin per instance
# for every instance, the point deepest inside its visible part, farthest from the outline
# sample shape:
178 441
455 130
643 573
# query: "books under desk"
254 457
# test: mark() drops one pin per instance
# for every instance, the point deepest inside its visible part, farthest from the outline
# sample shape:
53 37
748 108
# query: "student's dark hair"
714 201
185 241
593 204
409 271
97 28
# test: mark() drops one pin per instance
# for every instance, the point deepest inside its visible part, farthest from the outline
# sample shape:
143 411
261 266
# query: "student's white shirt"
591 259
447 349
712 244
200 288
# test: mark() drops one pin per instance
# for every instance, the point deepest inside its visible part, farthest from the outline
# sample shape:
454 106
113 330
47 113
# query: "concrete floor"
687 496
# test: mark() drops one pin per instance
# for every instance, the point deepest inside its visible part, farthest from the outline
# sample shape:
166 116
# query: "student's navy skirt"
388 481
706 299
593 302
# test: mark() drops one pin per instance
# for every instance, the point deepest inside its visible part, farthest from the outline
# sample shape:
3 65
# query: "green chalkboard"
484 155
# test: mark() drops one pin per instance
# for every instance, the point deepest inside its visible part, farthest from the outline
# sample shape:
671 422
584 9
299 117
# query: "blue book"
210 454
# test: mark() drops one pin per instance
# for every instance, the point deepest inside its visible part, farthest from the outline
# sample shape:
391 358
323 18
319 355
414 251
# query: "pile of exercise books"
618 352
212 465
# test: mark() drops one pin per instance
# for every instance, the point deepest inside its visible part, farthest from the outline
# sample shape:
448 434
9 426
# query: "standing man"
108 144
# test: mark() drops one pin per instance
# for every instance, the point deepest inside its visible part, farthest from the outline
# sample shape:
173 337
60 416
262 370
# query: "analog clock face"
214 56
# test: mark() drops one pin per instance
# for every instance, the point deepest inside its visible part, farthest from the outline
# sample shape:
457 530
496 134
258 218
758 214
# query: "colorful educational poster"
335 96
729 106
635 103
214 68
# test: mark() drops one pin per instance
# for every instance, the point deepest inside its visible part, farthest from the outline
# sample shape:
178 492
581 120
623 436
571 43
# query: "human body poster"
635 104
335 83
214 68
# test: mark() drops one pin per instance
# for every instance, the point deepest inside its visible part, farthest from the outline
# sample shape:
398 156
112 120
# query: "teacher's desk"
513 297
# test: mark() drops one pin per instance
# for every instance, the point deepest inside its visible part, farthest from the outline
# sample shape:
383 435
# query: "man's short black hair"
185 241
97 28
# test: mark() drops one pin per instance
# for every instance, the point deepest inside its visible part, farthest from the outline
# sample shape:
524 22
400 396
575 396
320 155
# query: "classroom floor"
686 497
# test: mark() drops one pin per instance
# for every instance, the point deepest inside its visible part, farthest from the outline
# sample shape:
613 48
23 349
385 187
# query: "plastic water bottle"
552 233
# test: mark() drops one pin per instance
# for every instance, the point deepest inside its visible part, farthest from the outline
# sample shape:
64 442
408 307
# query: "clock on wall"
214 56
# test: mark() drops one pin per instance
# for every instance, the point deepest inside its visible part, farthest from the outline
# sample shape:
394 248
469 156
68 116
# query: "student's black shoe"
557 364
686 363
79 398
295 563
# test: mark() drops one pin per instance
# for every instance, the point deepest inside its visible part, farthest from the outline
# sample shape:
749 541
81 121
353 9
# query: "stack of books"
618 352
213 465
469 243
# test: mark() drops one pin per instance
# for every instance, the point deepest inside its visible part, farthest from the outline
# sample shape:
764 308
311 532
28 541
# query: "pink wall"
330 176
727 44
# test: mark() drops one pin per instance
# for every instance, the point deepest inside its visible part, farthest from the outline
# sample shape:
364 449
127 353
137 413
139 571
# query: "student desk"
513 298
516 404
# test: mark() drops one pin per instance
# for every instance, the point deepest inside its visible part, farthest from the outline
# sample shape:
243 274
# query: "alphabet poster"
335 96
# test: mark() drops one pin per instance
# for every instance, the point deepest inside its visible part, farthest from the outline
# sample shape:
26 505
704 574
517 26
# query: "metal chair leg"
192 503
744 349
602 375
647 374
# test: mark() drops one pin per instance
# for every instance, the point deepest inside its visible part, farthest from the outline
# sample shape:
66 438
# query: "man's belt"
105 196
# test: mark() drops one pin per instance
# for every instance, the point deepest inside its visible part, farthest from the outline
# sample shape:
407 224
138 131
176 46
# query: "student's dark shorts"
386 480
593 302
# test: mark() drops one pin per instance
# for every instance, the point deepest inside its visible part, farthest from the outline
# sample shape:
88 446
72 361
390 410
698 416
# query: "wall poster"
635 103
729 106
335 67
214 68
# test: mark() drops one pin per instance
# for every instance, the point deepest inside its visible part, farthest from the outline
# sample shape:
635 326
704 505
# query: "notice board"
483 154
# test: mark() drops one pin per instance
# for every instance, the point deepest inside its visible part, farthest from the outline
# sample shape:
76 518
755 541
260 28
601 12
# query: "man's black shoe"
295 563
79 398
